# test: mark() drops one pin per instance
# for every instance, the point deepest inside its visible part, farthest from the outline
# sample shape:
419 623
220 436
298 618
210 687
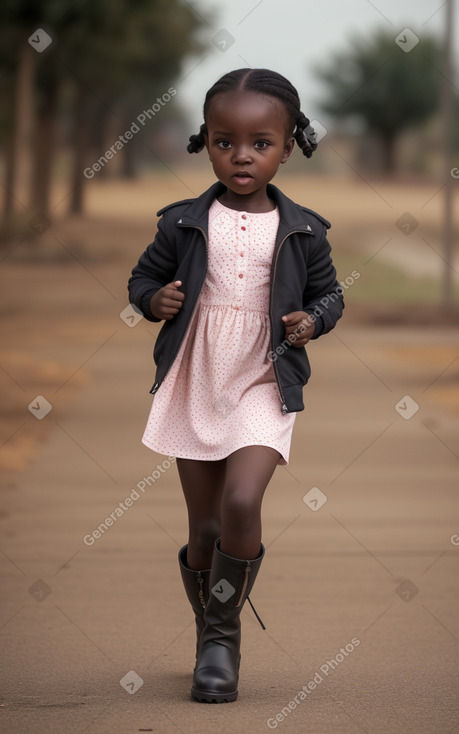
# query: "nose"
242 154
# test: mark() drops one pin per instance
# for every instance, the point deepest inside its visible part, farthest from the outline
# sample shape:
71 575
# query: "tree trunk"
81 138
18 163
129 152
45 144
103 132
389 155
128 167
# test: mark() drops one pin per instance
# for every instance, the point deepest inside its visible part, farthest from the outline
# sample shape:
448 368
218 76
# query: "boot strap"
255 613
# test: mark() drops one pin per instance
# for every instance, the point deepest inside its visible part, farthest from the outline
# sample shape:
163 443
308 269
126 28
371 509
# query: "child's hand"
167 301
300 325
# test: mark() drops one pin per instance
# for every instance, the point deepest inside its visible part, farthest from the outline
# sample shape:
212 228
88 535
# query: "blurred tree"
456 124
104 53
135 52
387 88
17 161
17 65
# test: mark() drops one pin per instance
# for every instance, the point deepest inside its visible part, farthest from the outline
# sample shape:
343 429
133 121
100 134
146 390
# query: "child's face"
248 137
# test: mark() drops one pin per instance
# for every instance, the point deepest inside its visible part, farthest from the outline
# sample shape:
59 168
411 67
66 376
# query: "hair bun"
197 142
305 135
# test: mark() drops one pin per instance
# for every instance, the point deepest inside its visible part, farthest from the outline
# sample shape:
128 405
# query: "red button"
244 216
241 275
243 228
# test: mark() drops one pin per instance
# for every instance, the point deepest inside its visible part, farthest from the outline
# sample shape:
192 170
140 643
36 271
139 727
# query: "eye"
224 144
262 144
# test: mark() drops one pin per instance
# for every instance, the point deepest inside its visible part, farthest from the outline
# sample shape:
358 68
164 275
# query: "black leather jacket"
303 278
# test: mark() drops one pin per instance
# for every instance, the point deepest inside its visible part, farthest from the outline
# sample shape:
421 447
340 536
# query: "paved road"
372 571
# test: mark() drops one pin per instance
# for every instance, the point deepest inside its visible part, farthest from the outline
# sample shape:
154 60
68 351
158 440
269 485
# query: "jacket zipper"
274 363
245 581
157 384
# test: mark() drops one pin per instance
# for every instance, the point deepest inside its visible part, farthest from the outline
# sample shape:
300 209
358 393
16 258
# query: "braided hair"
267 82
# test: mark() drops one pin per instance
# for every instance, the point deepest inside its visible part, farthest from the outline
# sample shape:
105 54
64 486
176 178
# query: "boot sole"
203 697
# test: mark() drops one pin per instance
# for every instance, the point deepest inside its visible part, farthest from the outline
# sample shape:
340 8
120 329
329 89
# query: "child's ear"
288 150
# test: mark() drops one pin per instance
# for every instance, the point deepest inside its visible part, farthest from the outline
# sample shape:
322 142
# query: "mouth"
243 177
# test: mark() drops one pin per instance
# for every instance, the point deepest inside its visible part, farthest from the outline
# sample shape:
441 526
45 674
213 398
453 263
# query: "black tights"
223 499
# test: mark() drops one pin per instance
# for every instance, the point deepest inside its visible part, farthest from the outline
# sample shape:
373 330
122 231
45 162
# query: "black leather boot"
196 585
217 667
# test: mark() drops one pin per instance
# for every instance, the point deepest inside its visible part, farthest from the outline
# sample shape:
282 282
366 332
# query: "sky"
293 37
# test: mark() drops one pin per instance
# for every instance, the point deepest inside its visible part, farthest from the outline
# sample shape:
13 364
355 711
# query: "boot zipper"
201 592
245 581
240 598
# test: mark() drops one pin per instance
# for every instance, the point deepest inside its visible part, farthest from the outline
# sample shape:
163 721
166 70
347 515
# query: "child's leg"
202 484
237 559
248 472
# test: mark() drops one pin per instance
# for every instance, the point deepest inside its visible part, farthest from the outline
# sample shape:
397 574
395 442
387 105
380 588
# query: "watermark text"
128 502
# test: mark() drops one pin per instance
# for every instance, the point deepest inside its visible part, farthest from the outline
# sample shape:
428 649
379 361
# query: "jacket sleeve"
156 267
323 295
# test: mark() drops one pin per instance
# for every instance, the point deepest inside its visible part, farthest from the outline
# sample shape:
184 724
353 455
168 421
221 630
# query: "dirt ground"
377 562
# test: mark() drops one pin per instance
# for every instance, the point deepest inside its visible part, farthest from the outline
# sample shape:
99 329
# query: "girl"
243 278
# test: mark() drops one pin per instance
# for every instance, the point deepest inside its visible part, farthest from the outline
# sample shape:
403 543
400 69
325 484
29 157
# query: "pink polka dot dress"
221 393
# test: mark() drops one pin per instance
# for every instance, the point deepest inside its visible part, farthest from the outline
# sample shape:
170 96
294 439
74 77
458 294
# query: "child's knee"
240 509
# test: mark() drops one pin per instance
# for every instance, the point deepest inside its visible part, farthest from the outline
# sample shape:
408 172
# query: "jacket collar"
291 215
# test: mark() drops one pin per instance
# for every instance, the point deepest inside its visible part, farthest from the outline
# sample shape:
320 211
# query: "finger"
171 305
292 318
172 288
292 325
173 296
296 329
169 313
300 340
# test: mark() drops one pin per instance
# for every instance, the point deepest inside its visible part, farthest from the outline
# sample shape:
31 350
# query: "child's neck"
255 203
